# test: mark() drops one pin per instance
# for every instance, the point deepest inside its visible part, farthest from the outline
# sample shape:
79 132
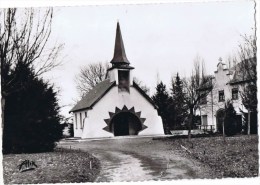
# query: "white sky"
158 38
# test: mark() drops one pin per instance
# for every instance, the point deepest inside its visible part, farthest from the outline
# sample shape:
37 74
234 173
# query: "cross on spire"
119 52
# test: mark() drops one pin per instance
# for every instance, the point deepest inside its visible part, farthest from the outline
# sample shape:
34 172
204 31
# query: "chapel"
116 106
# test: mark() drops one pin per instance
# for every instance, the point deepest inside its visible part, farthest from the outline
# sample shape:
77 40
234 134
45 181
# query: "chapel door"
121 125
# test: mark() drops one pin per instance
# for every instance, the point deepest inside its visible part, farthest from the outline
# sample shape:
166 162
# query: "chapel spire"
119 58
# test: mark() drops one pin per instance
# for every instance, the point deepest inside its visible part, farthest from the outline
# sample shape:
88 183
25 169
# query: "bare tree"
24 35
90 75
142 85
196 87
247 74
94 73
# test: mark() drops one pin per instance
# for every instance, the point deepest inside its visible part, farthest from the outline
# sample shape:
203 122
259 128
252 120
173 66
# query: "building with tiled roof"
227 85
116 106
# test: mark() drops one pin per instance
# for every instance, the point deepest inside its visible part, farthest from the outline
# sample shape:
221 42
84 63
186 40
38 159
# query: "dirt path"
139 159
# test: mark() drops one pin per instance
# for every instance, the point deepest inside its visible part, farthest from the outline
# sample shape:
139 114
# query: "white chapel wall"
94 124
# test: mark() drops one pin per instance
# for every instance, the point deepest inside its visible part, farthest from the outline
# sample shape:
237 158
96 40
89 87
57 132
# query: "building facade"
116 106
227 86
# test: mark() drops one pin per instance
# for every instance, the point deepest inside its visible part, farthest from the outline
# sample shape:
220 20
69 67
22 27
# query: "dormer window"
123 80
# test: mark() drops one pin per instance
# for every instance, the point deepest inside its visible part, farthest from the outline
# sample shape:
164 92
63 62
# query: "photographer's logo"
27 165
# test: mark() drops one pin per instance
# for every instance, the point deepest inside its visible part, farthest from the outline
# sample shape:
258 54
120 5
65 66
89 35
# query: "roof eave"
145 95
91 106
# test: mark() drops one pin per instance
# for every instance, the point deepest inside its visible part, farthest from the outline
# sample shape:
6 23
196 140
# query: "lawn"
60 166
237 157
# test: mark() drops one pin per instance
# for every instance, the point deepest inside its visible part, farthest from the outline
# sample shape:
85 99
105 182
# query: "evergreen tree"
71 130
230 124
32 121
178 101
162 99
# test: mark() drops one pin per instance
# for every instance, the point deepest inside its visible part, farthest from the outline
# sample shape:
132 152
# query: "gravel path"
140 159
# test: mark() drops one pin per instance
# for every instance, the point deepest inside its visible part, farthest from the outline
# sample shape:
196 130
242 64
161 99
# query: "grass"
237 157
60 166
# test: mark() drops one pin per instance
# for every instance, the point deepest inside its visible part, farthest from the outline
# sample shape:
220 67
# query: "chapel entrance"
220 120
126 123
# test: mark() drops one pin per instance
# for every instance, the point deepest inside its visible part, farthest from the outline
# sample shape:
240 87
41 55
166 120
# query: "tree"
71 130
230 124
245 66
141 85
196 87
32 121
249 100
25 56
90 75
161 99
94 73
23 39
248 58
178 106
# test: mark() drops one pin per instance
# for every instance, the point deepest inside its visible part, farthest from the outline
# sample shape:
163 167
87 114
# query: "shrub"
32 121
230 120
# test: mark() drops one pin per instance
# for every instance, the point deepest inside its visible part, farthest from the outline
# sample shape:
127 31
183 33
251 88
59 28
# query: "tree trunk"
190 123
223 130
248 124
3 111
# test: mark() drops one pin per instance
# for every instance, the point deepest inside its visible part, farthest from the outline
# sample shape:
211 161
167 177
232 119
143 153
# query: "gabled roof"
93 96
244 71
144 94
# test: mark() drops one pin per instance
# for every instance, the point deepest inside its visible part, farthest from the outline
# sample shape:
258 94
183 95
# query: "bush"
71 130
32 121
230 120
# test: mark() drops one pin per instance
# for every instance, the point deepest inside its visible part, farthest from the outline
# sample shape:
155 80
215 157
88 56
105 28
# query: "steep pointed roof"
119 52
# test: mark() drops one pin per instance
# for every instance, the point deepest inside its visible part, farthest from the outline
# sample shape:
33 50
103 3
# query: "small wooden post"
248 124
90 165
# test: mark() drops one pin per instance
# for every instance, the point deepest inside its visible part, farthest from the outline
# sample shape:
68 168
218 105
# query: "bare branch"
24 36
89 76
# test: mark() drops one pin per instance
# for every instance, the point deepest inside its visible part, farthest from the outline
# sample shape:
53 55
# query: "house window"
80 117
234 94
204 120
221 96
123 80
76 121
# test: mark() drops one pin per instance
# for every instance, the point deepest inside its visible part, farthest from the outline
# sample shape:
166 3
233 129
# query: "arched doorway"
220 120
125 123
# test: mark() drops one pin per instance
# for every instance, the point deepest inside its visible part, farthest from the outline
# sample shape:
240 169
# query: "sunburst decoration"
124 109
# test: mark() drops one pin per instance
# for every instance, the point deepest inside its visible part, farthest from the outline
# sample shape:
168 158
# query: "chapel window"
123 80
80 117
76 121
